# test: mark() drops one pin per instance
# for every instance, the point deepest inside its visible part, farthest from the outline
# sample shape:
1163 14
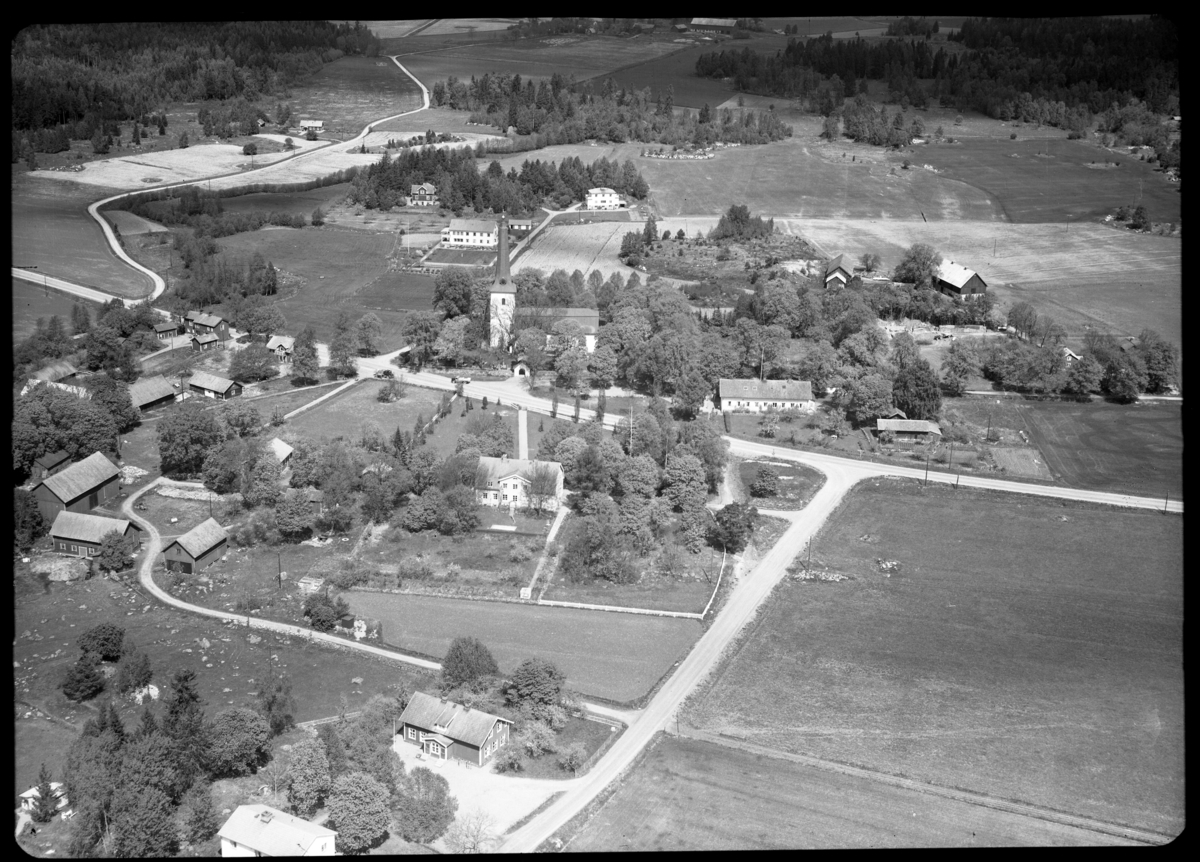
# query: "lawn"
286 401
344 414
616 656
797 483
444 439
50 216
698 796
351 92
292 203
1019 652
31 301
461 257
592 734
326 270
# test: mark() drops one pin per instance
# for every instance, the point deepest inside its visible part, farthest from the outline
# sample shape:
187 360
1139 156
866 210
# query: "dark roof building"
197 549
79 534
445 729
151 392
81 487
48 465
908 429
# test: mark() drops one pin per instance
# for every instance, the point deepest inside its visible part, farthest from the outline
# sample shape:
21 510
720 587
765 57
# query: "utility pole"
279 568
927 454
631 428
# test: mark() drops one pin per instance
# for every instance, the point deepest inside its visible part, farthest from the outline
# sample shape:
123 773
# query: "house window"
506 496
74 549
412 733
91 552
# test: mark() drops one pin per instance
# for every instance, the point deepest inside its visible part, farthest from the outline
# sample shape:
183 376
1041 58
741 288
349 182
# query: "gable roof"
282 450
603 190
473 224
287 342
893 413
77 391
166 327
81 477
503 468
910 425
55 370
314 495
85 528
714 22
202 538
211 382
150 389
192 315
51 460
836 264
456 721
275 834
773 390
955 274
209 320
424 189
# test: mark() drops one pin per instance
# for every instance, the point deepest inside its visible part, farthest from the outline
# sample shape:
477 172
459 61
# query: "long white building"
473 232
603 199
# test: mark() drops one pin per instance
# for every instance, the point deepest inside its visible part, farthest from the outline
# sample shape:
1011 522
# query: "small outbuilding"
260 830
81 487
166 330
282 451
446 730
48 465
78 535
212 386
837 272
282 346
30 797
315 498
196 549
909 430
150 392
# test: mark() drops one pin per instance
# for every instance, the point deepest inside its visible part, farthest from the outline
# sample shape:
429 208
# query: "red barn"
196 549
955 280
79 488
448 730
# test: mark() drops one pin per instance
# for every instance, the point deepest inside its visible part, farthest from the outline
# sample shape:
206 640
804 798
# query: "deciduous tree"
423 806
916 391
237 742
309 778
919 265
28 524
185 436
105 640
357 807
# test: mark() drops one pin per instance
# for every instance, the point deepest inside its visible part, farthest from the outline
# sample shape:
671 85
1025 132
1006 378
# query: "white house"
514 482
282 346
260 830
603 199
759 396
312 125
473 232
30 797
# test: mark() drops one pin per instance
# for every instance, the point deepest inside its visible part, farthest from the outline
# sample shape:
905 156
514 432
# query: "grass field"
455 26
350 92
293 203
1111 447
462 256
1026 650
585 247
797 483
338 269
31 301
344 414
49 217
438 119
617 656
694 796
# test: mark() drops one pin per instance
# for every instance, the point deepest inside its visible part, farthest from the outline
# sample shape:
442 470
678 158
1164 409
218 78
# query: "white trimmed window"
412 733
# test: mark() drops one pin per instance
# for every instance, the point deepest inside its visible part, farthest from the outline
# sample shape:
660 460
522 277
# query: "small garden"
779 484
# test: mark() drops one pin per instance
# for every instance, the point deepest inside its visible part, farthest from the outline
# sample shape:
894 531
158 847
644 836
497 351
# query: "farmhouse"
423 195
30 797
474 232
448 730
166 330
1070 355
281 450
516 482
196 549
282 346
151 392
603 199
199 323
260 830
212 386
956 280
713 25
837 271
759 396
312 125
80 488
79 535
908 430
48 465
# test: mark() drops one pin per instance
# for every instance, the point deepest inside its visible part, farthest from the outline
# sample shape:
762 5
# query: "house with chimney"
445 730
519 483
760 396
260 830
423 195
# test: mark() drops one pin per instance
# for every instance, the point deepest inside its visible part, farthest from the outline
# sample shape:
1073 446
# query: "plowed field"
584 247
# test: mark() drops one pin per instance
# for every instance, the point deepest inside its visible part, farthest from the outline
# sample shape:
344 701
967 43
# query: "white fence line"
620 610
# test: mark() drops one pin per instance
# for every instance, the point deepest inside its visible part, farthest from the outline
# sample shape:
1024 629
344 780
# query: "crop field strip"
1026 650
570 247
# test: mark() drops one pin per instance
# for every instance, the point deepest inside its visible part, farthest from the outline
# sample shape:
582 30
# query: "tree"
919 265
251 149
420 330
305 362
183 722
201 821
571 368
83 680
916 391
572 757
358 810
241 417
543 486
238 739
452 291
147 760
870 262
105 640
309 780
867 397
684 481
335 749
536 682
143 823
262 487
1139 221
183 141
451 345
253 363
650 232
423 806
472 833
765 484
1161 359
341 355
46 804
134 671
185 436
467 661
734 526
28 524
293 515
276 704
1083 376
370 328
113 396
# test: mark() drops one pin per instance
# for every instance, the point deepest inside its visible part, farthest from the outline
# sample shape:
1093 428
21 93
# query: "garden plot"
585 247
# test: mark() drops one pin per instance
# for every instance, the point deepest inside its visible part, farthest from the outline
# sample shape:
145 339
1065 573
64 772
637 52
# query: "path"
522 433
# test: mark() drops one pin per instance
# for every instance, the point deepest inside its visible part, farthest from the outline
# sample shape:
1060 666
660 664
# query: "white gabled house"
759 396
603 199
260 830
519 483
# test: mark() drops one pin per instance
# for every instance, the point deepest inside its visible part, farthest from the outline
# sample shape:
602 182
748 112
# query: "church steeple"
503 281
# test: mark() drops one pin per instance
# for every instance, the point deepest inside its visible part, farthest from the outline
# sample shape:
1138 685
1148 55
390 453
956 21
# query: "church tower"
503 299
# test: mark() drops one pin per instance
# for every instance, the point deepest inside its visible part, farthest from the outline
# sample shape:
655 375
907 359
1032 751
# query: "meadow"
335 269
344 414
585 247
31 301
292 203
610 655
350 92
469 26
1025 649
50 216
694 795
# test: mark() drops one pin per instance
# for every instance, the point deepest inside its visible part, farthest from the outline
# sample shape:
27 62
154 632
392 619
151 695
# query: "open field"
699 796
292 203
31 301
1111 447
331 269
585 247
454 26
1027 650
462 256
350 92
533 59
49 216
344 414
617 656
1082 275
438 119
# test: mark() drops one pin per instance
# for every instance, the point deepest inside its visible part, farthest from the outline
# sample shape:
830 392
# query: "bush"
1013 136
519 553
765 484
83 680
509 760
105 640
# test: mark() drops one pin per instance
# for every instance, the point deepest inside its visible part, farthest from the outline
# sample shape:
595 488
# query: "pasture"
50 217
31 301
585 247
327 270
438 119
611 655
695 795
461 257
1025 649
344 414
292 203
468 26
533 59
350 92
1082 275
1136 449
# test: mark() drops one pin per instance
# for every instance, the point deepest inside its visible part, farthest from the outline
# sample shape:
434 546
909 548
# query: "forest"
1012 68
559 111
92 73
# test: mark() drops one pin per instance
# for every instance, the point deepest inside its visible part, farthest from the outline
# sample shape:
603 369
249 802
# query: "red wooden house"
80 488
448 730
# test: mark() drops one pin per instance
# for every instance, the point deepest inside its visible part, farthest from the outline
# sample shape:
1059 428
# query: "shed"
260 830
166 330
956 280
282 451
447 730
315 497
48 465
78 534
150 392
55 371
196 549
212 386
908 430
81 487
